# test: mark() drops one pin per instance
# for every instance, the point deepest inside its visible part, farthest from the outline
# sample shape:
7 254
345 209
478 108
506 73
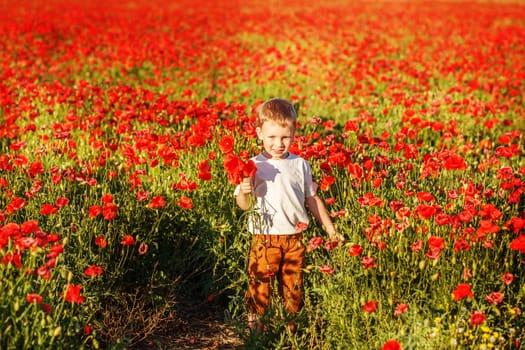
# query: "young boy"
281 192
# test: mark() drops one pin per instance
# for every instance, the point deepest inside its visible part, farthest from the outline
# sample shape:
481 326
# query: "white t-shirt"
281 187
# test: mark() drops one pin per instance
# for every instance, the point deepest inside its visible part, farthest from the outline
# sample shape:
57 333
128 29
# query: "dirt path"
198 326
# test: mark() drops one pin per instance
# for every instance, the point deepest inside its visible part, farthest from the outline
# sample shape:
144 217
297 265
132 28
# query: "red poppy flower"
355 171
53 237
35 169
143 248
56 178
26 242
314 243
128 240
436 242
477 318
34 298
226 144
426 196
16 203
518 244
462 291
337 214
101 242
237 169
73 294
142 196
327 269
355 250
44 272
326 182
455 162
109 211
490 212
107 198
515 224
48 209
157 202
55 250
461 245
51 262
300 226
507 278
400 309
204 168
28 227
487 226
61 202
185 185
403 212
13 259
368 262
329 245
350 125
46 308
185 202
330 201
395 205
391 345
370 306
93 270
94 211
494 298
426 211
370 200
249 168
433 253
442 219
452 194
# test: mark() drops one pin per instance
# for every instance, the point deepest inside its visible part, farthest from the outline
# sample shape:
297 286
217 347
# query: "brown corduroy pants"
271 257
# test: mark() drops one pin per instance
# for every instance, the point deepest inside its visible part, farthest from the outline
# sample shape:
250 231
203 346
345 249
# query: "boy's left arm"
318 210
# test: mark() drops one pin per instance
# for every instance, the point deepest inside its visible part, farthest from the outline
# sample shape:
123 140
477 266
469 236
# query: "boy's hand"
246 185
337 237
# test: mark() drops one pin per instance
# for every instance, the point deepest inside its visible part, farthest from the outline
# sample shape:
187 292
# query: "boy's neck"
268 156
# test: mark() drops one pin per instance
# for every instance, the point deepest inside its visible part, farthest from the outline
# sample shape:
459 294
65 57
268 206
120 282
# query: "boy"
282 191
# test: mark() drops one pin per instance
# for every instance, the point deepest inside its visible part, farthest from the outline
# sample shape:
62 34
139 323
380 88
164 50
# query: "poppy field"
124 126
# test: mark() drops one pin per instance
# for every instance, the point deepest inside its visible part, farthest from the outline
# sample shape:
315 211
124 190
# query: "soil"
197 326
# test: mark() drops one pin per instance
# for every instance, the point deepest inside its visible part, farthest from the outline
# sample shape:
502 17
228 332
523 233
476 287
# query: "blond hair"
277 110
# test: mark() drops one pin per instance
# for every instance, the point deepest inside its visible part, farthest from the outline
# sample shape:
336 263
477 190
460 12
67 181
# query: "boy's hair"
277 110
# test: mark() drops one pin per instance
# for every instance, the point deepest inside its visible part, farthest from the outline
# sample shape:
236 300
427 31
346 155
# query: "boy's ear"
259 132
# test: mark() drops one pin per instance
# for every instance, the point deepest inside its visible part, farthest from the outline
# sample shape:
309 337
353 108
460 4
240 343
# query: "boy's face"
276 138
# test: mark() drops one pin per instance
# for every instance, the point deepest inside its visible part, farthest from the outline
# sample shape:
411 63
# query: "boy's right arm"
245 191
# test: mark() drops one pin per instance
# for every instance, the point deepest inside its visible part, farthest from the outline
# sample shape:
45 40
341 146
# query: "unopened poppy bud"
57 332
422 264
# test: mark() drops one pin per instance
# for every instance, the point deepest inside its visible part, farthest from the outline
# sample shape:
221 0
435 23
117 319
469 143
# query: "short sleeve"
310 187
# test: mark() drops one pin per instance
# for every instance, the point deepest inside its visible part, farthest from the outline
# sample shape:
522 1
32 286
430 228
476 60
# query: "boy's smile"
277 138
